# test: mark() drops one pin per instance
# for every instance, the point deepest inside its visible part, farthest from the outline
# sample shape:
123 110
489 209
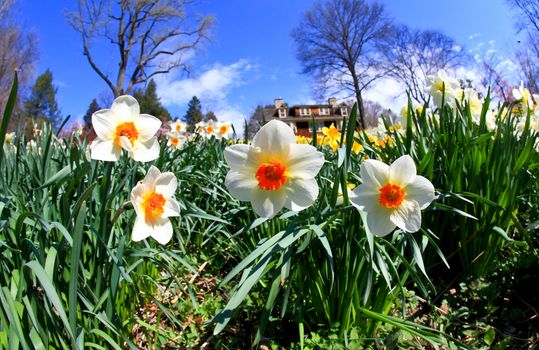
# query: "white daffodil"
209 129
153 203
200 127
435 88
178 126
392 195
523 96
175 140
274 172
224 130
122 126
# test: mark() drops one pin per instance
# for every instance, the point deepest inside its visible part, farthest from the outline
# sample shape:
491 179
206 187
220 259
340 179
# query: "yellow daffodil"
332 133
10 136
274 172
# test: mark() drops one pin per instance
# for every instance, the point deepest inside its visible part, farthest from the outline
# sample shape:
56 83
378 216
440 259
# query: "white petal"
162 231
140 230
421 191
151 177
365 197
146 151
166 184
171 208
274 138
240 185
379 222
125 108
374 172
407 216
300 193
239 157
147 126
104 124
105 150
304 161
402 171
137 196
267 203
126 144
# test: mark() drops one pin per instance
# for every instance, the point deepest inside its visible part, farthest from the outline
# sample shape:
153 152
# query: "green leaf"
7 115
489 336
52 295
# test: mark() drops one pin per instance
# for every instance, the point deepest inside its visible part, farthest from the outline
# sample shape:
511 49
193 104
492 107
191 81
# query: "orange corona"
271 176
154 206
391 196
127 129
223 129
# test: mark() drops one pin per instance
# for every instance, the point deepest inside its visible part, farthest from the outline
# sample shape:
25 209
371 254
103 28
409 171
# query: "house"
300 117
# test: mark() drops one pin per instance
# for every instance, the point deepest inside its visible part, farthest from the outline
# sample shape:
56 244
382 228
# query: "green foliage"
150 103
71 278
41 104
193 114
92 108
483 177
210 116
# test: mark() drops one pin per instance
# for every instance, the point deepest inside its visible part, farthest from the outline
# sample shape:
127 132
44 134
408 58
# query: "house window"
324 111
344 111
282 113
304 111
302 125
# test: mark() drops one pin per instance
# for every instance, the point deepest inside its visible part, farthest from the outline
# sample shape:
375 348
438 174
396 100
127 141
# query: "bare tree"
336 43
492 76
18 51
412 55
527 54
151 37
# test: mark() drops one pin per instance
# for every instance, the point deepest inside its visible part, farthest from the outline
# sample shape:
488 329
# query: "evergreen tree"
42 101
150 103
210 116
92 108
193 114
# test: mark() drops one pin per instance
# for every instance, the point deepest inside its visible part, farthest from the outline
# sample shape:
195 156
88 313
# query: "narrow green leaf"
50 291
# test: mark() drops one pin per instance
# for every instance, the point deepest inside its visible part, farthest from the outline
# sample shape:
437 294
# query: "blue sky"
251 59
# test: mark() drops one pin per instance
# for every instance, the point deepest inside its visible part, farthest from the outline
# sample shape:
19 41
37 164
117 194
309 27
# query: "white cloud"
213 84
389 93
212 87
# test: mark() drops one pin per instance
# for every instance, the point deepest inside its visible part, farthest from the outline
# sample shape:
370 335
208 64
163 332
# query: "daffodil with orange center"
223 130
178 126
274 172
392 195
123 127
175 140
153 203
209 129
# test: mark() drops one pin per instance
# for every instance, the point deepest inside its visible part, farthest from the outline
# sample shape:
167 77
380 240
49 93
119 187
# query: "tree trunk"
359 98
